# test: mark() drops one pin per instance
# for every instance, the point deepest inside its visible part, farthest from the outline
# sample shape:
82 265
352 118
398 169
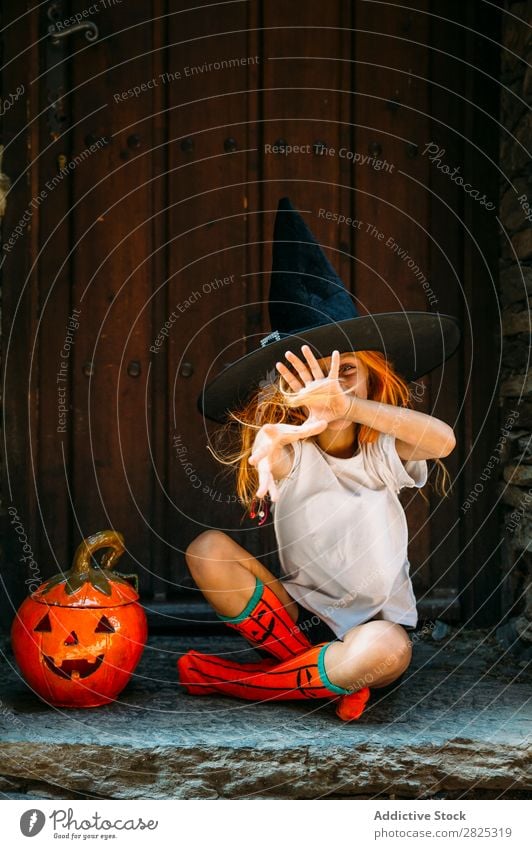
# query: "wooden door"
155 150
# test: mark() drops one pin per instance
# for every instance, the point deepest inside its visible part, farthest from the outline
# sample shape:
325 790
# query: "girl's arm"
418 436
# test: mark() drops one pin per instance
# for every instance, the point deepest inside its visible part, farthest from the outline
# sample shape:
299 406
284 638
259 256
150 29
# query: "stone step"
458 725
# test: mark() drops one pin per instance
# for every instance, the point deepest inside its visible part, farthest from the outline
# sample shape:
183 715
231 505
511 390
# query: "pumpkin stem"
103 539
86 570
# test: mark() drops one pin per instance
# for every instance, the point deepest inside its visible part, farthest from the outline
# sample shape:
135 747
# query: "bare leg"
225 573
371 655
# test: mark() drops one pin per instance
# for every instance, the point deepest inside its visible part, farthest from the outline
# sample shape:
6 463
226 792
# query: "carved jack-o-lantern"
79 637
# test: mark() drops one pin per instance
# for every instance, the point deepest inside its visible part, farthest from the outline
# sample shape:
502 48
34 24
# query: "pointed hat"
310 304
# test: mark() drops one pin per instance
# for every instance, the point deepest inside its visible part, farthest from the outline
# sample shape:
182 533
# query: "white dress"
342 534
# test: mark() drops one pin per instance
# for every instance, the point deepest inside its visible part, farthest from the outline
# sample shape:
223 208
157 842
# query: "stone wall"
515 295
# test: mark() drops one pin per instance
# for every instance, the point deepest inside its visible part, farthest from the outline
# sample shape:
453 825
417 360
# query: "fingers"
307 371
301 367
313 426
314 365
335 365
265 442
266 481
283 435
258 455
309 428
292 381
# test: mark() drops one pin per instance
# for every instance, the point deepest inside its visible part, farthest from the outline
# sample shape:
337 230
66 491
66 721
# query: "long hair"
270 404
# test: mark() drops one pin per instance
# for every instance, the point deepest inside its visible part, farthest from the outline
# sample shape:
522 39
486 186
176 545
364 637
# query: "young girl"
331 442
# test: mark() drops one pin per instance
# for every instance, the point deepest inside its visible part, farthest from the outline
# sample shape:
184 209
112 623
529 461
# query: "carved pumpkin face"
79 637
71 662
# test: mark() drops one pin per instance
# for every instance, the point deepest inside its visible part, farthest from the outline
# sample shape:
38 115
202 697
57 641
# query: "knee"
399 651
385 643
206 550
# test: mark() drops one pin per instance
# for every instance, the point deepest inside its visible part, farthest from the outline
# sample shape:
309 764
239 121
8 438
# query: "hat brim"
414 342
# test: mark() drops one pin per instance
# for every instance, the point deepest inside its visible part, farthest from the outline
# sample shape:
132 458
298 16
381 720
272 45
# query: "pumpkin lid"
85 585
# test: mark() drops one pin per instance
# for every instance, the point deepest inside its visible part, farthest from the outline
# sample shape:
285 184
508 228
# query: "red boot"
302 677
352 706
265 623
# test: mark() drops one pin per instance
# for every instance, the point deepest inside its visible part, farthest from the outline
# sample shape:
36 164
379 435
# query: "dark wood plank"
206 286
391 112
480 524
447 75
112 284
19 311
158 377
57 321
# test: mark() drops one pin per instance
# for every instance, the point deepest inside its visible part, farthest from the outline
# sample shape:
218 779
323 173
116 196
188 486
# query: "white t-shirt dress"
342 534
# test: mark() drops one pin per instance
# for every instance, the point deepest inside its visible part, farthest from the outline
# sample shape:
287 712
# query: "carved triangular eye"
44 624
104 626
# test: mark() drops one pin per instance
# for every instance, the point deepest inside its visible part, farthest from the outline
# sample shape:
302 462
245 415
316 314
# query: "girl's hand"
270 455
323 396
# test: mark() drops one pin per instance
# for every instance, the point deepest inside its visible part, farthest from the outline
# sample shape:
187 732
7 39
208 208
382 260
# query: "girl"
331 441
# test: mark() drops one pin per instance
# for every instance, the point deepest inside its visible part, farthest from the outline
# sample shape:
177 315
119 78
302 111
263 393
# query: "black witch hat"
309 304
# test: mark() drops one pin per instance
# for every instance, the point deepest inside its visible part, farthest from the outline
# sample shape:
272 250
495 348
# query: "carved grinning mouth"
74 669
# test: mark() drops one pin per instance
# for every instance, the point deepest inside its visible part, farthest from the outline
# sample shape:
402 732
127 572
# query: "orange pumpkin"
78 638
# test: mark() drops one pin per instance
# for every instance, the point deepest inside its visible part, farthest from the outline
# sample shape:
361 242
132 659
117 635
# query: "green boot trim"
323 675
252 603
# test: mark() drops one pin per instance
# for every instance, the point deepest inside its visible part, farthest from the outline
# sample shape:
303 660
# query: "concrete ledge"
458 725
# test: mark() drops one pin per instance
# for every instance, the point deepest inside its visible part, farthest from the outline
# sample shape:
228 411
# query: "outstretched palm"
322 396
